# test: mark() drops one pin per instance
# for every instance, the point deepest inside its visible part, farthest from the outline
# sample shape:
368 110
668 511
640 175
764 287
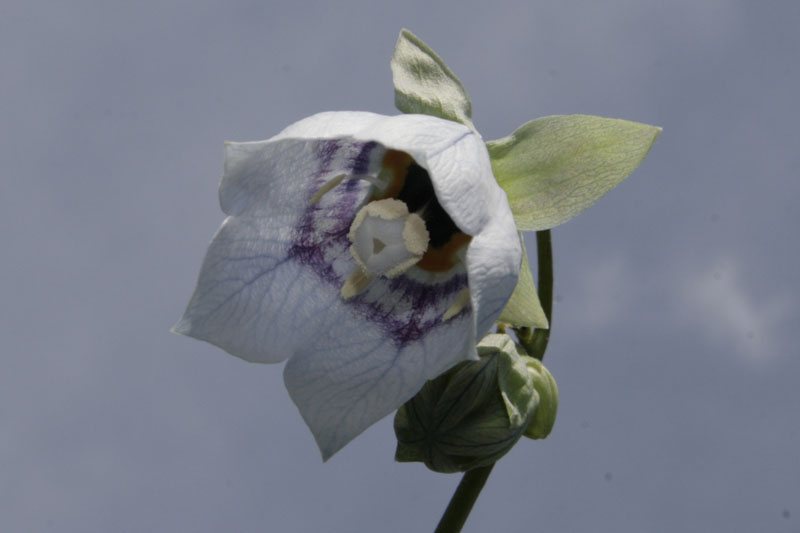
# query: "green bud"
545 416
471 415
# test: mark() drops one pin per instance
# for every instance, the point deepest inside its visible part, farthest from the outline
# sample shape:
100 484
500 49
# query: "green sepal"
423 83
514 380
523 308
553 168
545 384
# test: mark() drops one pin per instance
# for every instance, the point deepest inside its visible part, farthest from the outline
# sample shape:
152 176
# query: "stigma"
386 240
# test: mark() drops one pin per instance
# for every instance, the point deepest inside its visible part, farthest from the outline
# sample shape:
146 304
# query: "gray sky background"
674 340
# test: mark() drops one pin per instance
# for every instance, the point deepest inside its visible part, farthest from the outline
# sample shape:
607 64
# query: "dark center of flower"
411 184
418 195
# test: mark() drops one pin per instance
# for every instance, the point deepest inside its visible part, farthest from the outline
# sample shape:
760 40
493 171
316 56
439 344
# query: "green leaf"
524 309
554 167
423 83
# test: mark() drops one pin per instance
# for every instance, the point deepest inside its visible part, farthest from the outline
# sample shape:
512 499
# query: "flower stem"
464 498
544 253
535 343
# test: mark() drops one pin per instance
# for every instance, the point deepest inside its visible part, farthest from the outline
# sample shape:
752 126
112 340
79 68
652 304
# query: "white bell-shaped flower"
370 251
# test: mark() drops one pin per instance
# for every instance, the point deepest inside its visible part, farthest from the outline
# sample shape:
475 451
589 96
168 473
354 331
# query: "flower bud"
471 415
545 416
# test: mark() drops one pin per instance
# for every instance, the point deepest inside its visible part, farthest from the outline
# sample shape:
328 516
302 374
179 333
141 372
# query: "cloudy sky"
676 311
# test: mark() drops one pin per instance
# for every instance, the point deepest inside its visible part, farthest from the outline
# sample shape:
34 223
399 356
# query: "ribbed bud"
471 415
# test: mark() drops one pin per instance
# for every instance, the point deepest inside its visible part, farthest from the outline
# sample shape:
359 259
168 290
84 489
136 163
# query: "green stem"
464 498
535 343
544 252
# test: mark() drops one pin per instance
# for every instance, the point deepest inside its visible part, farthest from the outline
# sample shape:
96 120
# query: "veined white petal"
251 300
454 156
350 375
254 264
493 261
268 177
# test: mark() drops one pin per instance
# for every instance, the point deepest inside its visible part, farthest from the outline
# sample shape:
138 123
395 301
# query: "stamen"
356 283
327 187
381 183
461 302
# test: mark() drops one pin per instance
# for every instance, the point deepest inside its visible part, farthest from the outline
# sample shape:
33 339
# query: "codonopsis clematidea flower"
372 252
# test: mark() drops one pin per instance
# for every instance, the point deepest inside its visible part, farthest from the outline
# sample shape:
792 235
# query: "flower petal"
352 375
493 262
250 300
251 289
267 176
454 156
524 308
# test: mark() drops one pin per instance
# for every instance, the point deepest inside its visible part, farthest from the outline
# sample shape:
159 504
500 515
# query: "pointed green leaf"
524 309
554 167
423 83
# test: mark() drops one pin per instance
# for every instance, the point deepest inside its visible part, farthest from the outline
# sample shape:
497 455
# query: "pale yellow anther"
415 235
460 303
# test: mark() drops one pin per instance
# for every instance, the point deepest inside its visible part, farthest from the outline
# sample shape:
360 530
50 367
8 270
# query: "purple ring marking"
322 231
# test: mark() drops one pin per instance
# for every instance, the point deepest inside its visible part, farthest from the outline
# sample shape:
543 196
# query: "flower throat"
411 184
